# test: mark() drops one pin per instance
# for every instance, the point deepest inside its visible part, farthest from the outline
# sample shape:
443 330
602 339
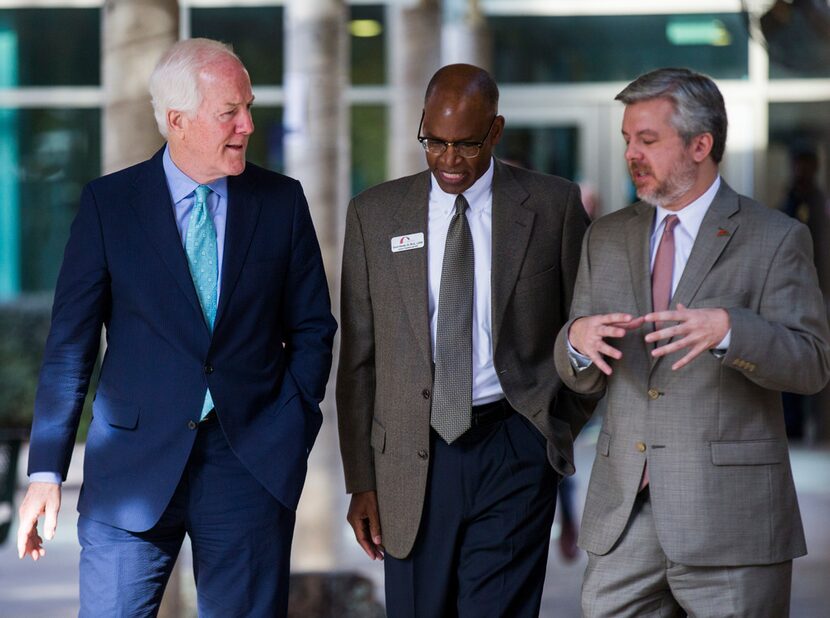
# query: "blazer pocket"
725 301
116 413
378 437
288 391
749 452
604 443
547 278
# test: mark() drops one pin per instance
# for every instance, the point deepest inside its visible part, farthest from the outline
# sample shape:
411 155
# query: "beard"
680 180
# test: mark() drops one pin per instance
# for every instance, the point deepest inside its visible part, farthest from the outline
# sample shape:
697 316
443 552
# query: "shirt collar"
691 216
181 185
476 195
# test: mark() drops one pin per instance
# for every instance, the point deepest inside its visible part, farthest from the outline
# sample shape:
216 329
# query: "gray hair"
174 83
698 104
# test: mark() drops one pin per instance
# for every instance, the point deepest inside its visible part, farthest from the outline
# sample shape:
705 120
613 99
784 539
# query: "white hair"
174 83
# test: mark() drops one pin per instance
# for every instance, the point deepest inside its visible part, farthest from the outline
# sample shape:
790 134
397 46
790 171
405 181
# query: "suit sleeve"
785 346
590 380
571 406
356 370
307 320
82 301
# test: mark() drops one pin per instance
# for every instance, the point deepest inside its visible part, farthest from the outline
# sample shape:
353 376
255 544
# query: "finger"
601 365
664 316
666 333
25 530
631 324
362 536
608 350
374 528
671 348
50 520
611 318
693 354
611 331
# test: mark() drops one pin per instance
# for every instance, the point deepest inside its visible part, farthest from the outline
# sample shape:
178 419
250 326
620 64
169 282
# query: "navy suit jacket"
266 363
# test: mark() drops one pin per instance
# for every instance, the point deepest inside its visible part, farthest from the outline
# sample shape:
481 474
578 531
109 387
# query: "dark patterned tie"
452 392
661 279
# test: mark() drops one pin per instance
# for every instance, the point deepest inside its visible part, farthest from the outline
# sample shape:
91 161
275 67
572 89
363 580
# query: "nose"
632 152
246 123
450 155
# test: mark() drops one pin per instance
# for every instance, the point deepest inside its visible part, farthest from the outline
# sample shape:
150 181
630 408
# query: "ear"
176 122
701 146
497 131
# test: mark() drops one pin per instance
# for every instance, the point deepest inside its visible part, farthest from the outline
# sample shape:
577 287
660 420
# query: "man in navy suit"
207 275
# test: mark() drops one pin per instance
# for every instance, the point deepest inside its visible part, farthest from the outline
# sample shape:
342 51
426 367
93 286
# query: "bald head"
460 116
464 81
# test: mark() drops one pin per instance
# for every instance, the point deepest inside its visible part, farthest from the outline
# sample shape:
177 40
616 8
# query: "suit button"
425 393
653 393
641 447
423 454
192 424
208 369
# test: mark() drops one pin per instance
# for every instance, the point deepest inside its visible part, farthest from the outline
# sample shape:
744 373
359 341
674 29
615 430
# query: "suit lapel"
638 238
512 226
411 266
154 209
715 232
243 214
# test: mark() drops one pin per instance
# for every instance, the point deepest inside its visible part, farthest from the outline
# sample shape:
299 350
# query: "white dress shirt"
486 387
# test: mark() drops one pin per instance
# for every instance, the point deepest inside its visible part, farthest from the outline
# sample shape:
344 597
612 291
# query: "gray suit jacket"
384 380
713 432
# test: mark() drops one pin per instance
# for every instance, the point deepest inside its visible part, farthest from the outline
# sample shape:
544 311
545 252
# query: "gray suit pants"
637 579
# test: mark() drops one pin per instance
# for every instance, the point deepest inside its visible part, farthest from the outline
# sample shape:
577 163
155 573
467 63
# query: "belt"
489 413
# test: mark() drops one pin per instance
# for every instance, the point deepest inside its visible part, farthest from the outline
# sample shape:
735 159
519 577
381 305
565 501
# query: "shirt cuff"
45 477
723 346
579 361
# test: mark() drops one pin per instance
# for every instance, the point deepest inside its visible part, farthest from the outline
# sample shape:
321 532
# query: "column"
415 54
135 33
317 154
465 36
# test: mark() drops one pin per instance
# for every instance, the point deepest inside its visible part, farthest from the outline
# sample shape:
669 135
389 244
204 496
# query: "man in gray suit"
454 427
693 309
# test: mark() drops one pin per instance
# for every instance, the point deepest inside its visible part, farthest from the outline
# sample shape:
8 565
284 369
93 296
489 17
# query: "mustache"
639 167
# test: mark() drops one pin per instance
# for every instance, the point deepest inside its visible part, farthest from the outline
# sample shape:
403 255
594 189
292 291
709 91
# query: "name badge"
407 242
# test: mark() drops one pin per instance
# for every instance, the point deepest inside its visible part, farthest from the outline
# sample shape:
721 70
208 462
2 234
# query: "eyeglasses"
468 150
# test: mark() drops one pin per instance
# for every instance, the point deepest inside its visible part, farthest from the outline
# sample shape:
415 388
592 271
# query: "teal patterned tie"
200 246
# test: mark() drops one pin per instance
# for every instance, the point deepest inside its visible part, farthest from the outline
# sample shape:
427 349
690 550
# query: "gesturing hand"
698 329
587 336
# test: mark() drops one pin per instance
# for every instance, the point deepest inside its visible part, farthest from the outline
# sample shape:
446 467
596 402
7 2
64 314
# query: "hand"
365 521
698 329
41 499
587 336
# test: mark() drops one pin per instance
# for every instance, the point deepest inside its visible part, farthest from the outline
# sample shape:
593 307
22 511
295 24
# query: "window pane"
265 147
796 39
553 150
368 42
50 47
255 34
46 156
616 48
369 131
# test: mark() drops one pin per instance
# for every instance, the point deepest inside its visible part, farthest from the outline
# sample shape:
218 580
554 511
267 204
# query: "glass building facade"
558 63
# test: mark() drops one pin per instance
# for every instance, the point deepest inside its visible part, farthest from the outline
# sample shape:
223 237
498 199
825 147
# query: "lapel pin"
723 232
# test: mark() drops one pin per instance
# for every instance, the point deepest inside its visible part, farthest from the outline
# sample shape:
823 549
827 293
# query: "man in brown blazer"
693 310
454 428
